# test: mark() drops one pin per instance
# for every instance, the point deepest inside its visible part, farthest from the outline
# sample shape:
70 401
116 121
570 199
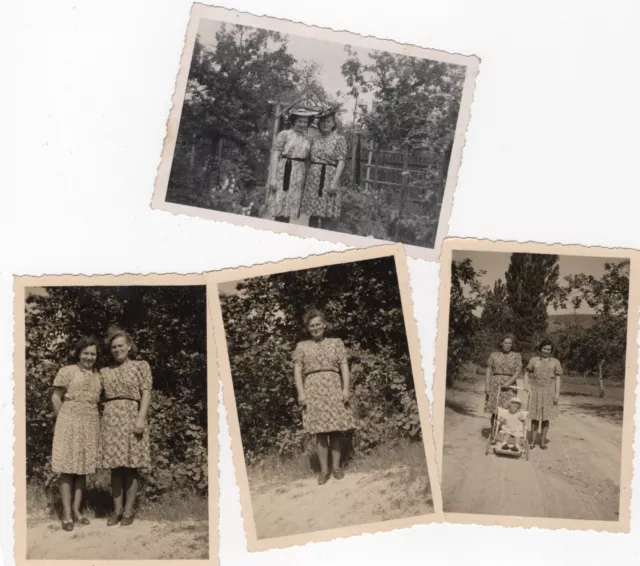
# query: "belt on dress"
323 173
287 171
80 401
321 371
121 399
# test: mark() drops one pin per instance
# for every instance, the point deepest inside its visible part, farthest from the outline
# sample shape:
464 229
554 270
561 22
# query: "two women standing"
120 442
304 174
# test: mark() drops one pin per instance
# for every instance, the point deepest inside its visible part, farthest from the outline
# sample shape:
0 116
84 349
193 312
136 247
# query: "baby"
511 431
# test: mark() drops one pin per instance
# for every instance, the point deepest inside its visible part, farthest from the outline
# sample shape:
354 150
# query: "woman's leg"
116 490
534 432
543 435
79 487
336 453
322 449
131 489
314 222
281 218
65 483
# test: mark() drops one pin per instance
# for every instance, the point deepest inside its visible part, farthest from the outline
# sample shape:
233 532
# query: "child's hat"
515 400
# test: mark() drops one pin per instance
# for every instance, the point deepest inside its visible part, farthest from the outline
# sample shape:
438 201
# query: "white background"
551 156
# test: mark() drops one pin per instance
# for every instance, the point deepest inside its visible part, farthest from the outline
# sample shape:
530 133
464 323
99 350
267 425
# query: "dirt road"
359 498
577 477
144 540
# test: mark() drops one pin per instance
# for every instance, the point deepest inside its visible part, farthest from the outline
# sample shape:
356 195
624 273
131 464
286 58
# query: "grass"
276 470
43 503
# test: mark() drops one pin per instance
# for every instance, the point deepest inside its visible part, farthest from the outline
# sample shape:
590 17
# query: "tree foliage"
262 320
168 325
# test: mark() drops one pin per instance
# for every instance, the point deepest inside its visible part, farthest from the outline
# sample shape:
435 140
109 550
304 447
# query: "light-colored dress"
320 363
290 174
120 446
503 367
326 152
77 429
542 383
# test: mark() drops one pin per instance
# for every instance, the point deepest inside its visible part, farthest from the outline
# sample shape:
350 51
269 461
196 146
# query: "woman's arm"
141 421
513 378
56 399
346 381
297 377
556 399
336 178
487 381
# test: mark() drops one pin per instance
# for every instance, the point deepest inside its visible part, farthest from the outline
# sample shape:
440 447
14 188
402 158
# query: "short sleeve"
341 352
341 149
518 358
531 364
558 368
281 141
145 380
298 354
63 378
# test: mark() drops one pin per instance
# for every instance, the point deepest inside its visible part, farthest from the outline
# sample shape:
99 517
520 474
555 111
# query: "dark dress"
503 367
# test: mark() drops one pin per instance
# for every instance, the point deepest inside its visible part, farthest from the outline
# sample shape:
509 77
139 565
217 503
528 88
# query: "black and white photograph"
291 128
326 400
538 381
115 419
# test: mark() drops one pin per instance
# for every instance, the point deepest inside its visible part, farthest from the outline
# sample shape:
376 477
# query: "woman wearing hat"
322 199
288 167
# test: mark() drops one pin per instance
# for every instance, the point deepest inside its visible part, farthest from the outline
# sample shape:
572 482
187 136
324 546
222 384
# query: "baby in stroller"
511 431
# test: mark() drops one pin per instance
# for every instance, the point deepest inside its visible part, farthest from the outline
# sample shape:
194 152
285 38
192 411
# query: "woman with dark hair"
321 374
76 392
543 376
288 167
503 368
322 199
124 435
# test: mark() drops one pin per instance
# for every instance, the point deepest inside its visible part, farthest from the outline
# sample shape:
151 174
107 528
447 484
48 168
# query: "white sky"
327 54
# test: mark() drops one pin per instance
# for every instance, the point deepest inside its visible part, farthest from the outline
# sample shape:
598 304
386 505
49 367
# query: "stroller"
523 445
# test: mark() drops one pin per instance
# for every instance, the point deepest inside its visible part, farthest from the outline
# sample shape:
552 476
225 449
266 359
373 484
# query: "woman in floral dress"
543 376
503 368
288 167
322 193
76 392
321 374
124 436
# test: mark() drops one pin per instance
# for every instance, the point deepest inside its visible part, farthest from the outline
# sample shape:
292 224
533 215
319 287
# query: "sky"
497 263
328 54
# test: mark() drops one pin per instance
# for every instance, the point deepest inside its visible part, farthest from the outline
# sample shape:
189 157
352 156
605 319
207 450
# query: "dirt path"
144 540
303 506
576 478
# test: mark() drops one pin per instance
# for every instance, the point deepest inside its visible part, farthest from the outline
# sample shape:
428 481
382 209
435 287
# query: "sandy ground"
144 540
359 498
576 478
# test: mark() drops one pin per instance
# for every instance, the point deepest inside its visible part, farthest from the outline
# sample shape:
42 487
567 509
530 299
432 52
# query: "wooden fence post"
354 149
403 190
368 167
376 171
276 122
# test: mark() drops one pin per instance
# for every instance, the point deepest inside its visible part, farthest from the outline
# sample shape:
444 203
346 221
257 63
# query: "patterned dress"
542 382
503 367
120 446
290 174
326 151
320 362
75 436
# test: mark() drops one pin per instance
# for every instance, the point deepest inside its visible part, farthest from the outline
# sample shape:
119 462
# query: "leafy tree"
532 285
168 324
263 323
354 73
466 297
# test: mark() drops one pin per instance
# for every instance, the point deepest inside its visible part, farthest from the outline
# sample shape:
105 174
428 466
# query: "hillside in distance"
557 321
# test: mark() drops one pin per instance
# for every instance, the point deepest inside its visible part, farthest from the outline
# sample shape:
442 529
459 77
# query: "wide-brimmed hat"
328 111
302 112
515 400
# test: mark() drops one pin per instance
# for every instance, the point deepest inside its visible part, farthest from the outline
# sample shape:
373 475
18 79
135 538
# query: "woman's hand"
271 184
302 401
556 399
346 397
333 189
139 426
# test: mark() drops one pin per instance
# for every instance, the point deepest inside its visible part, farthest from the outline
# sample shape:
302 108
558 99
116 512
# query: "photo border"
200 12
19 454
334 258
622 525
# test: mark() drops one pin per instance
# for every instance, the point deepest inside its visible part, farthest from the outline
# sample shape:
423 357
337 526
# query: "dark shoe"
323 478
114 519
81 519
514 448
67 526
338 473
126 520
544 447
505 447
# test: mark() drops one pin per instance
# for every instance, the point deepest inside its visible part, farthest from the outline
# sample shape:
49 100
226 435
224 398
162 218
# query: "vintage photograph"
292 128
326 400
115 418
537 384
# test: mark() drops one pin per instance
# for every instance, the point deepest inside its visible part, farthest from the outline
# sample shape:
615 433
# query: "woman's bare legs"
79 487
131 489
336 450
534 432
65 483
543 434
116 490
322 449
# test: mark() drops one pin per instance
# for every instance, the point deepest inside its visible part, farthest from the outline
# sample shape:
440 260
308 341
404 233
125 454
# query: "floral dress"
290 174
326 152
542 382
320 363
120 446
503 367
75 436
